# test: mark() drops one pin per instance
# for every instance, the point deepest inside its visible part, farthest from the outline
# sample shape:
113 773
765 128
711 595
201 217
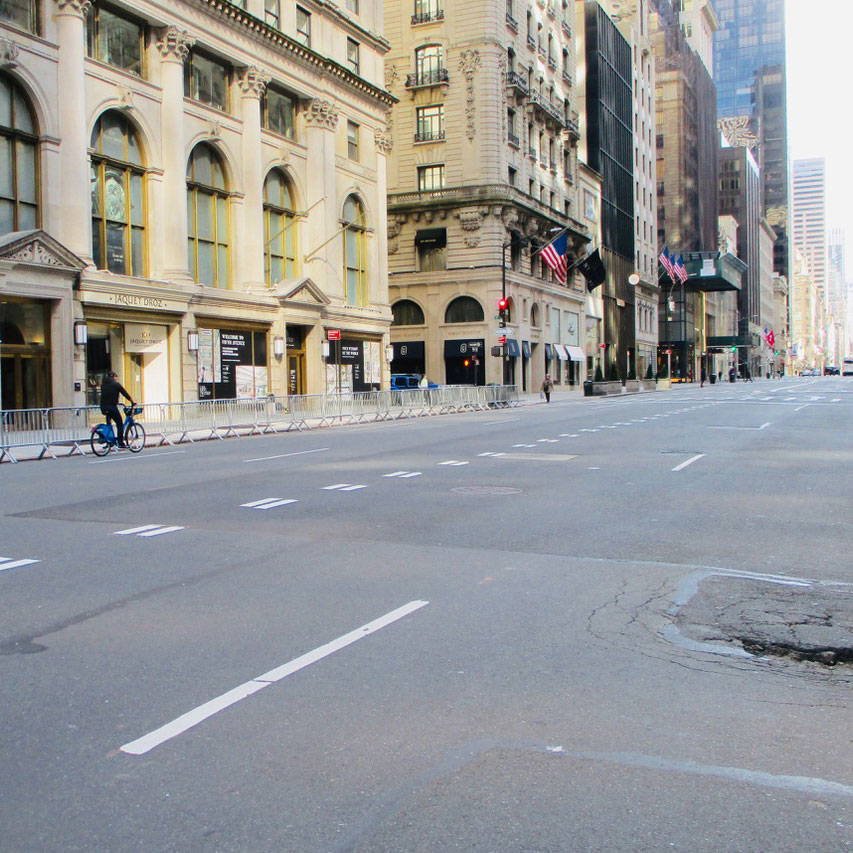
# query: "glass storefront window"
279 229
20 13
18 162
207 218
278 111
206 80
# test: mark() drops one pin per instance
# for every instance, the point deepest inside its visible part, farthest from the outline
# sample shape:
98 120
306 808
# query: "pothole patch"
800 621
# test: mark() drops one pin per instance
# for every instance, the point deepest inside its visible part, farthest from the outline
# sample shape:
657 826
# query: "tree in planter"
649 372
599 377
632 374
612 372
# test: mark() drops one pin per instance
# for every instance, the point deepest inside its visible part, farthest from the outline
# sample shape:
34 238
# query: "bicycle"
103 437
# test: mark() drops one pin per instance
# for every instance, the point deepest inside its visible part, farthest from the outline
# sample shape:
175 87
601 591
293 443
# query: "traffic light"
466 362
734 349
503 309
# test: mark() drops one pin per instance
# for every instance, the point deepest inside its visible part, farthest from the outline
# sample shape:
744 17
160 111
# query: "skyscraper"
749 71
809 219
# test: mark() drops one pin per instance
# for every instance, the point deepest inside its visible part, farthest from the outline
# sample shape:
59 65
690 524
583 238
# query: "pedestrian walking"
547 386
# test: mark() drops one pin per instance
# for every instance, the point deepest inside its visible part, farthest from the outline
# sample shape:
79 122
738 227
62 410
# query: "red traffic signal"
466 362
503 305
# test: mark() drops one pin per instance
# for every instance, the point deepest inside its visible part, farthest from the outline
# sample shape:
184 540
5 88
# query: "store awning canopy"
512 349
560 352
712 272
434 237
576 353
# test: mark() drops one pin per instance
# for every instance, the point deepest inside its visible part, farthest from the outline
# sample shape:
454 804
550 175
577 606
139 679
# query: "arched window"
407 313
279 229
464 309
207 218
534 315
355 252
18 162
118 205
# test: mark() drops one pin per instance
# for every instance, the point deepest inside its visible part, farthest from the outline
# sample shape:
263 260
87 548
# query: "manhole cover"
486 490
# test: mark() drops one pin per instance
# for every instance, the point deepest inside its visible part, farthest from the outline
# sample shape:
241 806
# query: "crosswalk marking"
269 503
402 475
9 563
452 462
148 530
344 487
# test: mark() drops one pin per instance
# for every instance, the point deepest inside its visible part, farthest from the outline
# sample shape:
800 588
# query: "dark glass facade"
749 70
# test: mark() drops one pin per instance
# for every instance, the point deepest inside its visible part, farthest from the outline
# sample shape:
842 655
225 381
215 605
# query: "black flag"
592 269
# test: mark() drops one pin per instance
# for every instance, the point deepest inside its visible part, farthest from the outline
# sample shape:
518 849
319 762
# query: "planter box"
632 386
664 384
603 389
648 384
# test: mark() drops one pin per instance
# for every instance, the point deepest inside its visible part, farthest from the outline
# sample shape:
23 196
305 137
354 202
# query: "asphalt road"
470 643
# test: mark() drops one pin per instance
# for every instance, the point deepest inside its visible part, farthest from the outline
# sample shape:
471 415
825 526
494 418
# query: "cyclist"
111 388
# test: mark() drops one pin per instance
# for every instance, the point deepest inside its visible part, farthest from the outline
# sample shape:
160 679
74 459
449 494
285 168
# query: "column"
74 223
250 234
174 45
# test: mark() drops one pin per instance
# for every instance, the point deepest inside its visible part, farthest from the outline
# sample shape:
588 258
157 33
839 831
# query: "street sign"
501 333
333 334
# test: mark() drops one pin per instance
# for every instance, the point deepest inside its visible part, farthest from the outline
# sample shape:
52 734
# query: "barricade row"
44 432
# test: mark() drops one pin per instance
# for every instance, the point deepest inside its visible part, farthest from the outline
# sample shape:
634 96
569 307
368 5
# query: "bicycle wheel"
100 446
134 437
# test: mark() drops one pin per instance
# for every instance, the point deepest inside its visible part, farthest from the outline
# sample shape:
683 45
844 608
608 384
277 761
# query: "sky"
820 111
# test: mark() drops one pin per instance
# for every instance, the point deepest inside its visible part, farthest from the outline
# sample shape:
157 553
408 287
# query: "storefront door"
24 380
296 374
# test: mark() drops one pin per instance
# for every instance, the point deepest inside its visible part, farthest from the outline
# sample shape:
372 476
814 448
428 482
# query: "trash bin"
587 388
713 378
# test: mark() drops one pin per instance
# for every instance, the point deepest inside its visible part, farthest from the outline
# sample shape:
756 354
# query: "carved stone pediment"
39 248
302 291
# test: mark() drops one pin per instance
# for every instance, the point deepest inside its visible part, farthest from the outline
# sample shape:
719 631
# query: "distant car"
809 371
831 370
408 381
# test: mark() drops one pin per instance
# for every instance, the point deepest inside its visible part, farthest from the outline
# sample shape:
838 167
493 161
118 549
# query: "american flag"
681 270
667 263
554 254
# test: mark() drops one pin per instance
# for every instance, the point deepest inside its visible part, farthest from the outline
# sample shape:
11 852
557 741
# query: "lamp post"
520 242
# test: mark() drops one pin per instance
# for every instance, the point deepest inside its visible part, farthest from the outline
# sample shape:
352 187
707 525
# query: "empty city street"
527 629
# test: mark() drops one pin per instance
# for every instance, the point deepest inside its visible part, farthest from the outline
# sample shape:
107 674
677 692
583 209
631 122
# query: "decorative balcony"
531 42
517 82
513 139
540 49
531 152
546 108
573 127
511 22
429 135
430 77
552 63
552 10
567 78
566 28
428 17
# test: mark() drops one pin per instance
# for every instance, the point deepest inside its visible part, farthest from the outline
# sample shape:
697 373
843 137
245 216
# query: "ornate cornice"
174 44
738 131
74 7
321 113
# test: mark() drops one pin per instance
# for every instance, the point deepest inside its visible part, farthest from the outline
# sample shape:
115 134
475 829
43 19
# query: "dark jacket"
110 390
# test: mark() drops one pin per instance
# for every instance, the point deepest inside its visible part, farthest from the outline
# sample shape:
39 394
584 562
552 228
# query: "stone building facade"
197 195
483 173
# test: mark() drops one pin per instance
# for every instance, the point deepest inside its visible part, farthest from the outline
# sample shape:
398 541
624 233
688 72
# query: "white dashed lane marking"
453 462
148 530
9 563
269 503
491 453
344 487
403 474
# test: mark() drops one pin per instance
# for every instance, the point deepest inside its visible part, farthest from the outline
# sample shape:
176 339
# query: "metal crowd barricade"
40 431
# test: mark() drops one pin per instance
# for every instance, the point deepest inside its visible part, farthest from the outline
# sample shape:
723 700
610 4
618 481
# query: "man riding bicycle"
111 388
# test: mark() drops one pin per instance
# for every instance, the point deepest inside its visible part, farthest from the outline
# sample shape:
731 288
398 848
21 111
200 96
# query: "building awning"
434 237
576 353
711 272
512 349
548 355
560 351
408 349
525 349
463 348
